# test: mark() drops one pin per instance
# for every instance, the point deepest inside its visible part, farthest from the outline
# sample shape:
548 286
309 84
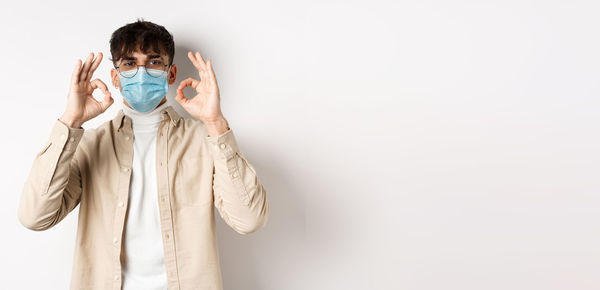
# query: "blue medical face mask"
143 91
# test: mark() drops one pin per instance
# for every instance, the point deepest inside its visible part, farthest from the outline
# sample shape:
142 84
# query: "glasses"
155 68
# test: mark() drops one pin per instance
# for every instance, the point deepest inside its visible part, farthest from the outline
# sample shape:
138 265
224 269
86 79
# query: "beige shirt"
92 168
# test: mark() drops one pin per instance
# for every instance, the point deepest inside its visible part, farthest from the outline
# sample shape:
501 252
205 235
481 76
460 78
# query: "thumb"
180 98
106 102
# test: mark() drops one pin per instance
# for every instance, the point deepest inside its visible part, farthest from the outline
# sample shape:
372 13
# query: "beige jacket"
194 171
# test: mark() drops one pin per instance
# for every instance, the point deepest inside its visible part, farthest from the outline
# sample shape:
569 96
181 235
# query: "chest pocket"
193 181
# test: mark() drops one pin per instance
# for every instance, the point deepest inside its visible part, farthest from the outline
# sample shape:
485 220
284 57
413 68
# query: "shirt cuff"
223 146
66 136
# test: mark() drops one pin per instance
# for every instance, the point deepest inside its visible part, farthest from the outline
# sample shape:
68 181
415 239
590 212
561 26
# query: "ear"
114 76
172 76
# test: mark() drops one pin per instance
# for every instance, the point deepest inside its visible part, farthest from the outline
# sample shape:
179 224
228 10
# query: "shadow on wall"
273 246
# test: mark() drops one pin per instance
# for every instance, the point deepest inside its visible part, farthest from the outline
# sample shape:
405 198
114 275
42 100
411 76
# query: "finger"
200 58
188 82
211 72
198 62
108 99
211 78
181 99
204 63
86 67
98 84
76 71
95 65
106 102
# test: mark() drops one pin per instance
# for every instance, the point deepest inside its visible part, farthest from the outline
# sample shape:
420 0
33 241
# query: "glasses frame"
137 69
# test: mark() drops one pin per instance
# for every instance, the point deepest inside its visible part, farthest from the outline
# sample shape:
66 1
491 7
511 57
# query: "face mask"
143 91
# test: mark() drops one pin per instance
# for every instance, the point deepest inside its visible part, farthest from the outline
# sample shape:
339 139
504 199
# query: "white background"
403 144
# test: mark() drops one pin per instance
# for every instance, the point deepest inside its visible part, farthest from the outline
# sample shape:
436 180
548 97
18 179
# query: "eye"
130 63
156 62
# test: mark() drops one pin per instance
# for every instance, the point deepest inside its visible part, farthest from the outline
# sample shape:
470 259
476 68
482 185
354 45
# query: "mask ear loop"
168 70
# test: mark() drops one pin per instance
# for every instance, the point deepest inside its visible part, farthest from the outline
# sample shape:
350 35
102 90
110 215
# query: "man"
146 180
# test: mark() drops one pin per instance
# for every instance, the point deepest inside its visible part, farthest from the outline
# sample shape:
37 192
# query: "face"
142 59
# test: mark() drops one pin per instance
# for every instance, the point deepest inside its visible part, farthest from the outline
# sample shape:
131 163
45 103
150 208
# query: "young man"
146 181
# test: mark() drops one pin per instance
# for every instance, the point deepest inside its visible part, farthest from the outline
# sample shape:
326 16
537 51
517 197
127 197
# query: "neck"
161 102
145 121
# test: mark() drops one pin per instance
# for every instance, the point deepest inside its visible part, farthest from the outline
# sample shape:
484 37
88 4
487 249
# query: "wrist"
70 122
215 121
217 127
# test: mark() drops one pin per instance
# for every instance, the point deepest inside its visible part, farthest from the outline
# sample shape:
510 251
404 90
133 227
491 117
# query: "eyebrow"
149 57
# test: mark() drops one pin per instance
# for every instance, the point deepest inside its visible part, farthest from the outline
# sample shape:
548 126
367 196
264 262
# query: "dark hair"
145 35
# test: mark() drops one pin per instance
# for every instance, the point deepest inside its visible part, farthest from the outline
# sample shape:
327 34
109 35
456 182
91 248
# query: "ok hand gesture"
205 106
81 104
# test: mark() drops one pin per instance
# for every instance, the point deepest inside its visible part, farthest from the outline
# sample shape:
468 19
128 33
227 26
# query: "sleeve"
53 187
239 196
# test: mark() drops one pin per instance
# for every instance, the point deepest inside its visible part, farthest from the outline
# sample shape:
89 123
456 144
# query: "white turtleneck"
143 256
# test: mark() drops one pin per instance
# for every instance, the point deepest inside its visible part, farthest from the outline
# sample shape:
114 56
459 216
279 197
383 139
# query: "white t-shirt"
143 255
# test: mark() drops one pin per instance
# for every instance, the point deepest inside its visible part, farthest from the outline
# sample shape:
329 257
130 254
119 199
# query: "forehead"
141 55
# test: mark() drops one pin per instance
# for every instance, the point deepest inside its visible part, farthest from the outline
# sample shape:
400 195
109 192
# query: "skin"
205 106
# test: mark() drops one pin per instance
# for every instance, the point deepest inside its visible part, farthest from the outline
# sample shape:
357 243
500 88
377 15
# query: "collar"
167 113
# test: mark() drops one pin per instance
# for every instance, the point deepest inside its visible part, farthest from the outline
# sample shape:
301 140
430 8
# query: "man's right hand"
81 104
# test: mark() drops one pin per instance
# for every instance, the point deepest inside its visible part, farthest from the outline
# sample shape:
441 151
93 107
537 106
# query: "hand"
205 106
81 104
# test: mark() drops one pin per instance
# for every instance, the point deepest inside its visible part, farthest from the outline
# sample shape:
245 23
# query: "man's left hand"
205 106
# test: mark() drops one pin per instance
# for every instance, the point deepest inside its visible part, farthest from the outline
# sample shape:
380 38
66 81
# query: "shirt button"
117 277
164 198
62 136
125 169
167 236
222 146
121 203
234 174
72 139
115 240
126 137
51 164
